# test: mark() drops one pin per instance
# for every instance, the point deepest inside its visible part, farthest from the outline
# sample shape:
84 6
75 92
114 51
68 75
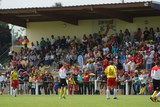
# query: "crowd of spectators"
133 54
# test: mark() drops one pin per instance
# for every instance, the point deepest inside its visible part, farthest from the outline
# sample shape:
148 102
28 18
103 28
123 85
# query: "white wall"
45 29
36 30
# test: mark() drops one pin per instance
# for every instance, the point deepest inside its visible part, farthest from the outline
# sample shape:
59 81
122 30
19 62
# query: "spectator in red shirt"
86 81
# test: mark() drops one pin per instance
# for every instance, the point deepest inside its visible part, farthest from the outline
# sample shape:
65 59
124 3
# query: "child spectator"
56 85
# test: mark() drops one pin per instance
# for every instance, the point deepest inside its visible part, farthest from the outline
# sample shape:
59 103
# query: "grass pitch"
76 101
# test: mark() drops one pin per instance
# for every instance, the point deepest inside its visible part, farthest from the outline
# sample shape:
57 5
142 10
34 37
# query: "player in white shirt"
155 75
63 83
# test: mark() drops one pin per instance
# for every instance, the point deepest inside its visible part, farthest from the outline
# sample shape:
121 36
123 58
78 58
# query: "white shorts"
21 87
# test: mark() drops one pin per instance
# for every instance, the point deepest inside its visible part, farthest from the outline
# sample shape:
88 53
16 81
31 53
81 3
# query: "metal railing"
36 87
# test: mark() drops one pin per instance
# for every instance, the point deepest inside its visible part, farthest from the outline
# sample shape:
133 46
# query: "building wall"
36 30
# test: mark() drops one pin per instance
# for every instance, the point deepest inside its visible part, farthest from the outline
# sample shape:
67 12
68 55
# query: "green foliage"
57 4
3 25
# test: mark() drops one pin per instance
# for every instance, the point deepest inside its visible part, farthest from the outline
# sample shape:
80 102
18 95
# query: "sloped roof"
71 14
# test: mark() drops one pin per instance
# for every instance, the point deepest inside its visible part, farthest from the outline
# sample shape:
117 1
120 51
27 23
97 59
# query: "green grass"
76 101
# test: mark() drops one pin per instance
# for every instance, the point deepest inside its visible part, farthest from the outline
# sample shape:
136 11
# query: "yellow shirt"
71 81
111 71
31 79
14 75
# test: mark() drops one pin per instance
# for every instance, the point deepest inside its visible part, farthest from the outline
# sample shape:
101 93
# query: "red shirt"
155 68
86 77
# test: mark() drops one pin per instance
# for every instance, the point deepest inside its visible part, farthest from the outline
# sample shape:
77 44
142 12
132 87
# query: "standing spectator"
86 81
48 43
50 83
91 83
32 47
53 40
132 67
136 83
63 43
89 65
21 83
56 85
68 41
146 34
2 83
138 35
121 35
111 73
26 41
26 82
128 79
38 47
58 41
143 77
85 41
149 60
151 34
45 83
157 35
127 34
80 82
32 85
71 84
121 83
42 43
126 66
102 79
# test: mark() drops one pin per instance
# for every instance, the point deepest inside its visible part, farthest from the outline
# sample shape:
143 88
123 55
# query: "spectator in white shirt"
2 83
53 40
126 66
149 60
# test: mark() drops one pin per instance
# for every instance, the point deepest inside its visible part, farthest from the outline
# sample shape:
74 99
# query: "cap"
92 74
105 61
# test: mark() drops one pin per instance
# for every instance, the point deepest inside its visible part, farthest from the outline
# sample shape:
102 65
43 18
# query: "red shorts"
15 83
111 82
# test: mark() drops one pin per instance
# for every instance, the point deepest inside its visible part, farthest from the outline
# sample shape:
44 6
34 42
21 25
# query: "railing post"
10 88
95 85
36 89
67 92
126 87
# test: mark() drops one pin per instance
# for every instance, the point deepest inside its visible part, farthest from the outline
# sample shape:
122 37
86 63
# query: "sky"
48 3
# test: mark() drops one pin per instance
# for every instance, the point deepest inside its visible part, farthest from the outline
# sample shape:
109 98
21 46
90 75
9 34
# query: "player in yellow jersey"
111 73
14 80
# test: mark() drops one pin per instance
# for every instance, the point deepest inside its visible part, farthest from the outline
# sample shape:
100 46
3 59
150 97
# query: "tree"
57 4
